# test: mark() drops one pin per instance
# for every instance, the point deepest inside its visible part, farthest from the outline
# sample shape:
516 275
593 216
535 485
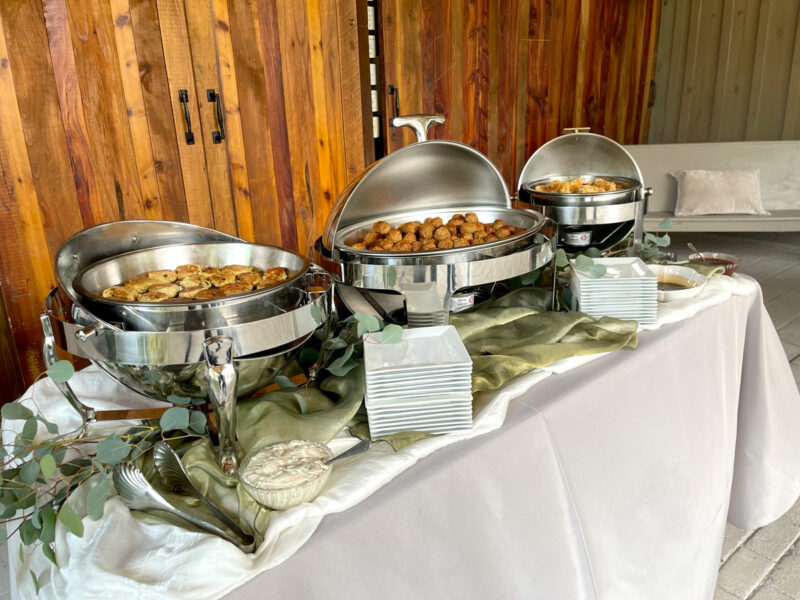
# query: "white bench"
779 163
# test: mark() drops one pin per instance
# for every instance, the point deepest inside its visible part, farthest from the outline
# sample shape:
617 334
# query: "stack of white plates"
422 383
628 290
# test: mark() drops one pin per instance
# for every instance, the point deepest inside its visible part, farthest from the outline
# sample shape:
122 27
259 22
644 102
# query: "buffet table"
608 479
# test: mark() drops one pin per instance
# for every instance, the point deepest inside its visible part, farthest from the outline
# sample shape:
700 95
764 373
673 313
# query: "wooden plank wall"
727 70
91 129
510 74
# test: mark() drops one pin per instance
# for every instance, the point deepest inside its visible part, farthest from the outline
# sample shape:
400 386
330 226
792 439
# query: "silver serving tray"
544 198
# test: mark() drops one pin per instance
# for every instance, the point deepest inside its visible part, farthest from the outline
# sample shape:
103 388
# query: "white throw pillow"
719 192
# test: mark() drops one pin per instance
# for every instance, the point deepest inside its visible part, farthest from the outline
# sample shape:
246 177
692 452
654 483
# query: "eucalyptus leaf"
35 518
344 369
59 454
199 401
316 314
29 471
530 278
593 252
284 382
629 251
302 404
150 377
70 520
96 499
28 533
664 241
197 422
112 449
3 535
35 581
48 465
307 357
29 429
3 452
61 371
583 262
176 399
665 224
48 551
561 258
597 271
48 517
52 428
370 322
650 239
14 411
392 334
539 238
176 417
339 362
335 343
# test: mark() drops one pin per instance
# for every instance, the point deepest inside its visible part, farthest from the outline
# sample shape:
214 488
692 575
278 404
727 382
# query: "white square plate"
432 347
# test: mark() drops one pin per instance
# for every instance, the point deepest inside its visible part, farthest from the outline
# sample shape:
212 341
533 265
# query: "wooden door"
92 129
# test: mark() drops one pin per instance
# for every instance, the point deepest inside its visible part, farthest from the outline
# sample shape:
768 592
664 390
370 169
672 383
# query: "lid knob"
419 123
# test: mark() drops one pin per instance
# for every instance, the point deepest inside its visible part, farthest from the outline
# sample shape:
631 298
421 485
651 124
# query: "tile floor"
763 564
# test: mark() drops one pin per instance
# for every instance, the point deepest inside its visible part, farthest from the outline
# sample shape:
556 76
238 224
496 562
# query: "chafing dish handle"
419 123
86 413
220 373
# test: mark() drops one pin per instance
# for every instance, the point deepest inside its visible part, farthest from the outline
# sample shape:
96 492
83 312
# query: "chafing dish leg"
220 373
86 413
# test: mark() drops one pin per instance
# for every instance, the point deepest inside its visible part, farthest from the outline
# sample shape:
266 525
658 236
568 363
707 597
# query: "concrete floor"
762 564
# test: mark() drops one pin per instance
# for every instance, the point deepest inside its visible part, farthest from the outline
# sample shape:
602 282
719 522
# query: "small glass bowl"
283 498
717 259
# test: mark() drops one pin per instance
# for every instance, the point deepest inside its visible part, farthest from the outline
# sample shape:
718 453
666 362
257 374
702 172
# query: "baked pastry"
120 292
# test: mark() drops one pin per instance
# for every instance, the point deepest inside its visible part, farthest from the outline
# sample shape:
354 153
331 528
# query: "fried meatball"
512 230
478 241
163 275
502 233
371 238
498 224
184 271
410 227
469 227
416 246
276 273
479 234
471 218
441 233
452 229
402 247
444 244
359 245
460 243
410 238
395 235
385 244
456 220
437 221
381 227
221 279
152 297
426 231
491 238
170 290
466 236
428 245
120 292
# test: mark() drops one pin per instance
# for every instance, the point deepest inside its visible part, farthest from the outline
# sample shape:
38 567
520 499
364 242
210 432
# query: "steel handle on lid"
576 130
419 123
220 372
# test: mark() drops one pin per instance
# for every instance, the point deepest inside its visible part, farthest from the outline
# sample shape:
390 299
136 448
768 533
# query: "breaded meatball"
402 247
428 245
426 231
444 244
437 222
498 224
371 238
502 233
394 235
381 227
452 229
359 245
469 227
410 238
478 241
152 297
456 220
441 233
480 233
491 238
512 230
471 218
460 243
416 246
385 244
170 290
411 227
466 236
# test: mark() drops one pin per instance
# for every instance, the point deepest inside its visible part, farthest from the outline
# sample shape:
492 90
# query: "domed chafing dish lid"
434 174
580 153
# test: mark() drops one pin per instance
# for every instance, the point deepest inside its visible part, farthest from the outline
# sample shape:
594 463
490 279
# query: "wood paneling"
511 75
91 129
727 70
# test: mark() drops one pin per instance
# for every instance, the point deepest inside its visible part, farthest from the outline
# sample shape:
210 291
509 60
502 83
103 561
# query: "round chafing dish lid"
434 174
579 153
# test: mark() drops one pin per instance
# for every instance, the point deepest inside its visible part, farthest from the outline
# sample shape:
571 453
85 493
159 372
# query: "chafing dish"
429 178
218 349
599 219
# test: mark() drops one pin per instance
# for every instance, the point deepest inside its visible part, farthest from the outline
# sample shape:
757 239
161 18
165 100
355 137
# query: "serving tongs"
137 494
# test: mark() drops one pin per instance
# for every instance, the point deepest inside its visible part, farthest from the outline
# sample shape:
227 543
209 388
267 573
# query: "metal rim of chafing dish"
191 315
529 220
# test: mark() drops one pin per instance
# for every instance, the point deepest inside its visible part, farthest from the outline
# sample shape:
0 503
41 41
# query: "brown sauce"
668 282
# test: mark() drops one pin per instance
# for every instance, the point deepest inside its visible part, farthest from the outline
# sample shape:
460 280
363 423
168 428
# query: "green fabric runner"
505 337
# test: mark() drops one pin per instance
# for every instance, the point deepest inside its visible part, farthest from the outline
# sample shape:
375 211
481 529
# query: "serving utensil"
360 447
137 494
695 250
175 477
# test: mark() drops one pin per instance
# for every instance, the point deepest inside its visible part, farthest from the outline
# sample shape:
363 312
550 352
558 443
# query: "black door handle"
183 97
217 136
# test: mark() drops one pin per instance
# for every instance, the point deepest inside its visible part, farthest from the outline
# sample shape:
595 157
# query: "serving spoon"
695 250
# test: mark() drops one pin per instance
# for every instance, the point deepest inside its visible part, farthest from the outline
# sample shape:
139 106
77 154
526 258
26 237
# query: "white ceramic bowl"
691 282
281 498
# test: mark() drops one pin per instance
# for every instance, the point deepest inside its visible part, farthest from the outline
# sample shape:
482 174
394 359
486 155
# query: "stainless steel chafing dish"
597 219
427 179
219 349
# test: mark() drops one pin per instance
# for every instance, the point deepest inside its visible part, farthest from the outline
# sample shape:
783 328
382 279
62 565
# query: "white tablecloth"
609 480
